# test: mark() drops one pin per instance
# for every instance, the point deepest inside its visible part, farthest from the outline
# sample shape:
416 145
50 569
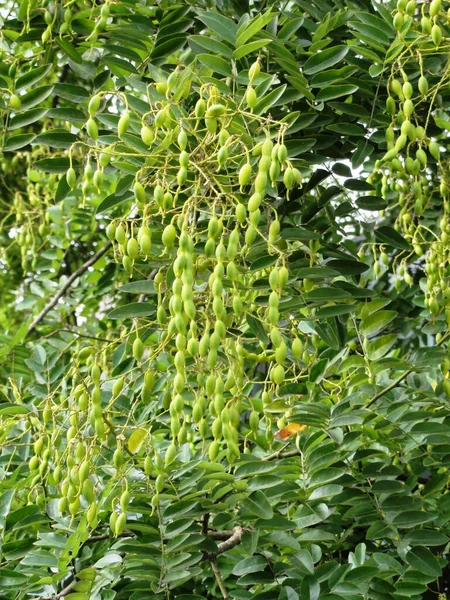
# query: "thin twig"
390 387
219 579
84 267
281 454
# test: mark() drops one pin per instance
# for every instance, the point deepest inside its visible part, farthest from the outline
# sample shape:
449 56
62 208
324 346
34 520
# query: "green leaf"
371 203
379 347
33 76
377 321
113 200
412 518
7 408
15 142
426 537
325 59
132 311
257 329
348 267
305 559
56 139
327 294
242 51
210 44
136 439
26 118
251 564
145 286
299 233
52 165
248 29
335 91
267 101
226 28
423 560
215 63
69 50
390 236
258 504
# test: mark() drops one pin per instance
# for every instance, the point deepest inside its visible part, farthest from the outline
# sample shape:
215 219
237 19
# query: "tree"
224 300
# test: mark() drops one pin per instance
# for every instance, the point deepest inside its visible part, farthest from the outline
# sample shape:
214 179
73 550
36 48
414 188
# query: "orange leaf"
289 431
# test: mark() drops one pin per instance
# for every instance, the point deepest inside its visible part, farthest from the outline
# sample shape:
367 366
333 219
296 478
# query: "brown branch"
84 267
233 540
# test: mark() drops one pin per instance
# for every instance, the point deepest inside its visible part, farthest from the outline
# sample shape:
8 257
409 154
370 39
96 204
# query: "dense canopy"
224 299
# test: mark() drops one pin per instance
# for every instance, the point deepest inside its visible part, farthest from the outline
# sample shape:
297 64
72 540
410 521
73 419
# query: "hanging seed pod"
92 129
15 102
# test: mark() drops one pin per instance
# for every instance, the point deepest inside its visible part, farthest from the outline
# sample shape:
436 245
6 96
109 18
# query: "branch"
67 285
233 540
281 454
389 387
219 579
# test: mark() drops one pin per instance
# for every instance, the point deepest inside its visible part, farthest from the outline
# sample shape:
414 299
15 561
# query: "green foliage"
224 300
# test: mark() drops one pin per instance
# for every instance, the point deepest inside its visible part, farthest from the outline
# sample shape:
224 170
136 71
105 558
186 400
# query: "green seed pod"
138 349
241 213
410 7
222 156
98 179
277 374
251 97
436 34
200 108
71 177
260 183
117 387
435 7
283 277
119 523
407 90
15 102
253 421
120 235
421 156
274 230
254 70
297 348
224 135
254 202
433 149
182 176
245 175
92 129
398 21
111 232
139 192
216 110
408 108
423 85
390 106
282 153
124 500
168 236
147 135
132 248
396 87
182 139
426 25
145 244
171 454
288 178
123 124
161 118
211 124
88 491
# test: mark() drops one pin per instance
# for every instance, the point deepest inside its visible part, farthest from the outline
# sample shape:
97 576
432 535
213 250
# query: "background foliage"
176 427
